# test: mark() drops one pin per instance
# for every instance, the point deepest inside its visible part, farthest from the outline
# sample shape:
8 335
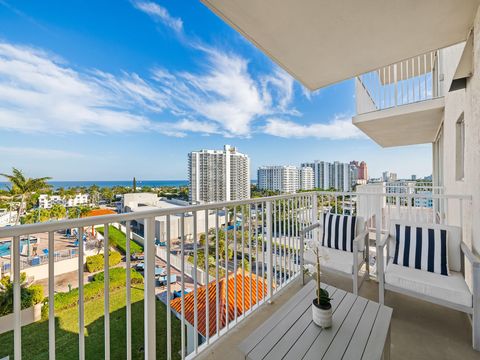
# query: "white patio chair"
449 290
343 262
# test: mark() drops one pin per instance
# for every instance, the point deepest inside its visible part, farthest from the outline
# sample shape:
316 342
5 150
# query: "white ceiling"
320 42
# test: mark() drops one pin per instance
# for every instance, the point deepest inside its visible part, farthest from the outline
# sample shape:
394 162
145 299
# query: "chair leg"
355 283
476 330
476 309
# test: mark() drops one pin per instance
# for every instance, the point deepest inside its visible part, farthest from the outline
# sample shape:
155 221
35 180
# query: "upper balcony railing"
251 253
408 81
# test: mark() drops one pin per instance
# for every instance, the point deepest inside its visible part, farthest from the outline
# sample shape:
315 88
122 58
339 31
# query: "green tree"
58 211
23 187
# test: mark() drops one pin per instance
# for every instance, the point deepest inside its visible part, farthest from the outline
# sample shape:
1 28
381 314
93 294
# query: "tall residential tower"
218 175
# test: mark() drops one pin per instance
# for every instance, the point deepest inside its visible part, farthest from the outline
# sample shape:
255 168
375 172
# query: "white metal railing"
408 81
264 231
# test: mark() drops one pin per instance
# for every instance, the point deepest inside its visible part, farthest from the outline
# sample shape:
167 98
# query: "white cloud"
42 153
39 94
224 93
337 129
159 13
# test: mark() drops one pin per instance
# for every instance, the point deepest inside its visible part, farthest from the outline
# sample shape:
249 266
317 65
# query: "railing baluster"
128 290
217 274
169 290
275 236
262 236
195 292
243 259
284 253
226 269
269 251
235 261
81 301
149 286
51 296
256 252
207 281
250 252
106 289
289 248
182 282
17 333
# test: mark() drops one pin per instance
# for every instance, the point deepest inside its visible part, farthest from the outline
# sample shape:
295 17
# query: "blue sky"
108 90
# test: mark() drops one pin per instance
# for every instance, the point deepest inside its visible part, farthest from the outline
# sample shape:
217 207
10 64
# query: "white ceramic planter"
322 317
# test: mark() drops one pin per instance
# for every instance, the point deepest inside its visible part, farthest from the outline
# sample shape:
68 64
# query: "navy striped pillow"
421 248
339 231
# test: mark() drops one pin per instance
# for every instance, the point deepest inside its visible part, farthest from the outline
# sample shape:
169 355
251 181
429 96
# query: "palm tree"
23 187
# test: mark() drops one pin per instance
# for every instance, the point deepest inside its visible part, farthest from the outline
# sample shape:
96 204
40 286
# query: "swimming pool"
5 245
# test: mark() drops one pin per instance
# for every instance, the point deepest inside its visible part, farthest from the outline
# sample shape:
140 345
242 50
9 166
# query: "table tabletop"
360 330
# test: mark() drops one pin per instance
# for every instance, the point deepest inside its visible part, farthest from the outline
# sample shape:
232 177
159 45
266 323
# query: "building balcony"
401 104
189 305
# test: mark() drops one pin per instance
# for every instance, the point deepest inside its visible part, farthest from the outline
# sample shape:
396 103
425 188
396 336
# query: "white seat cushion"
452 288
337 260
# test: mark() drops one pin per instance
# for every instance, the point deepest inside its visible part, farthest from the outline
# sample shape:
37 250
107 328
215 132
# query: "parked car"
137 256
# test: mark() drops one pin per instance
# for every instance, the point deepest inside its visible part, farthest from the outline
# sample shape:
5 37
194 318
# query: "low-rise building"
46 201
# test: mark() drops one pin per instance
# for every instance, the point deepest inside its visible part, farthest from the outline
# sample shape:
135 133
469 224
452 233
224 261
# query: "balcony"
245 278
401 104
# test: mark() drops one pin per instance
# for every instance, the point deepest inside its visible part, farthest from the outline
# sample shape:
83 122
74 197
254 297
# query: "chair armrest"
474 260
383 241
309 228
360 237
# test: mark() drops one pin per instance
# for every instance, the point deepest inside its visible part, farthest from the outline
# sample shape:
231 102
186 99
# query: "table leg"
386 349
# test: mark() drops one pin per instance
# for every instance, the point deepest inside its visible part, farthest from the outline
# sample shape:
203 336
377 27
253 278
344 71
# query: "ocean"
140 183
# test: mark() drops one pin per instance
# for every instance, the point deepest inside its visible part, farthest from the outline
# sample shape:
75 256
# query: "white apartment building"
218 175
47 201
282 178
285 178
307 178
337 175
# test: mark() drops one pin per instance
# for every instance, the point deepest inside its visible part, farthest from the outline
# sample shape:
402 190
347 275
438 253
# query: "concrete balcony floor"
420 330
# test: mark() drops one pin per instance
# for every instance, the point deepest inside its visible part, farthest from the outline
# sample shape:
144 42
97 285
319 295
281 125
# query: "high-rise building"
385 176
363 171
218 175
283 178
307 179
321 174
337 175
389 176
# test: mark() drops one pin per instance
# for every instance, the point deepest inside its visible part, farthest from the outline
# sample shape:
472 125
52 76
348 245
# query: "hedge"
95 289
118 240
29 296
95 262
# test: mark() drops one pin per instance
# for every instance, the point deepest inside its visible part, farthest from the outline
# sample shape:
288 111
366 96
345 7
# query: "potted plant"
321 304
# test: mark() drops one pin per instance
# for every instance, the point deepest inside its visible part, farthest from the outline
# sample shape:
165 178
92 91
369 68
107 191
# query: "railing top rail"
143 214
20 230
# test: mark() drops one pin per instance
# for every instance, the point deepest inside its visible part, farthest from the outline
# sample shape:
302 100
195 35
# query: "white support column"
378 237
149 278
269 252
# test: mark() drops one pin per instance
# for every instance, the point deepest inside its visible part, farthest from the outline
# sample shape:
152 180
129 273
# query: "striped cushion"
339 231
421 248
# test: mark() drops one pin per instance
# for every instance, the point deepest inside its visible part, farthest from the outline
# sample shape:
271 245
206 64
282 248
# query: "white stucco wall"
466 101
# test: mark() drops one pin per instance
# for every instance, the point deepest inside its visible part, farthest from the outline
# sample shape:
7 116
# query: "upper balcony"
183 304
402 103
